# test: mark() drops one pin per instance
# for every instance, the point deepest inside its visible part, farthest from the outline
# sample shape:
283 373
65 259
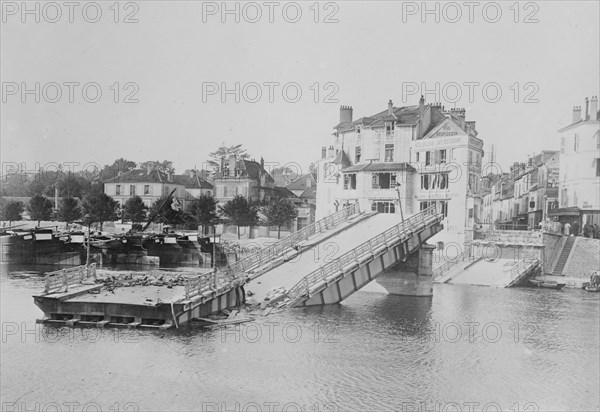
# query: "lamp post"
399 201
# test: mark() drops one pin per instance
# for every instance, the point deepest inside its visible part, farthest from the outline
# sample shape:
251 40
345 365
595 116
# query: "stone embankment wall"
584 257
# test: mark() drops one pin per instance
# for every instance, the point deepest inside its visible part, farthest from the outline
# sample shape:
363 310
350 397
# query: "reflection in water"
514 348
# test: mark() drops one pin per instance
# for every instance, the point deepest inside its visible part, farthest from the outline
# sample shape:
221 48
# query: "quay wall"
584 257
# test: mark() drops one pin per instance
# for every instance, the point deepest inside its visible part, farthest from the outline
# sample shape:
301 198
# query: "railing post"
65 281
47 289
81 275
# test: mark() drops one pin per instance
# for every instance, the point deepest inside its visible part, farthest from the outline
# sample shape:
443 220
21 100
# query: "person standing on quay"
567 229
575 227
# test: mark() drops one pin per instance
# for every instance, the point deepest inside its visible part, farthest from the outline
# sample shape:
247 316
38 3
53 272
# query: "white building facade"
401 161
579 177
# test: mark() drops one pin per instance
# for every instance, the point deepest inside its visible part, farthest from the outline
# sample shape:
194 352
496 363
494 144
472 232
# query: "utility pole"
399 201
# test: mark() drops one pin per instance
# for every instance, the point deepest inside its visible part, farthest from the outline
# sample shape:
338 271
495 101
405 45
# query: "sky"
156 80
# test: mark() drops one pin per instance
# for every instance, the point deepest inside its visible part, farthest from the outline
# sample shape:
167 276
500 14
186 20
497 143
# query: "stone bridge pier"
413 277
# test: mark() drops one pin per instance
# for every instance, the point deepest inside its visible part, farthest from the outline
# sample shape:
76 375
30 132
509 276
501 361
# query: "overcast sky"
376 51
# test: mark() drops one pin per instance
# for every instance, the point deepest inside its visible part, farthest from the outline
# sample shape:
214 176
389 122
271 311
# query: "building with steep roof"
243 177
402 160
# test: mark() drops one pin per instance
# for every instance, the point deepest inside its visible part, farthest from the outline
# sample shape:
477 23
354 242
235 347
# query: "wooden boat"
547 284
590 288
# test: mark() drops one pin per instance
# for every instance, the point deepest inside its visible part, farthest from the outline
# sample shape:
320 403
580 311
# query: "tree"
12 211
224 152
165 166
202 210
166 211
135 209
240 212
279 213
99 207
120 165
69 210
39 208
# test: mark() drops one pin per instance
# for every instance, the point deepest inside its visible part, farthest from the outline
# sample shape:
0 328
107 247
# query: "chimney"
231 165
576 114
262 163
323 152
170 176
148 168
461 120
330 151
594 108
390 107
587 109
420 127
192 173
345 114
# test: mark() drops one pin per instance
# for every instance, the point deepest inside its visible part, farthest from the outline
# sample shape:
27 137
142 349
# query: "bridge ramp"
495 273
324 251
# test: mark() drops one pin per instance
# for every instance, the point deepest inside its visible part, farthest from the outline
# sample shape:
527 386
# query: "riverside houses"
402 160
152 184
579 181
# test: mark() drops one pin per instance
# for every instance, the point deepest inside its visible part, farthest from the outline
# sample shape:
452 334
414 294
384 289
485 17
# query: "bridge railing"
199 284
62 279
523 265
371 246
267 253
464 255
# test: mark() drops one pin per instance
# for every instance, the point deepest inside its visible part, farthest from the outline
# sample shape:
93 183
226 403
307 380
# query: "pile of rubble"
112 281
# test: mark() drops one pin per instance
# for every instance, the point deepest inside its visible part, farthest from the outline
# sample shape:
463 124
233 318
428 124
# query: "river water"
467 348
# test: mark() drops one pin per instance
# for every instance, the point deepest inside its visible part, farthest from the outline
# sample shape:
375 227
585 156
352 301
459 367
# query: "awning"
565 211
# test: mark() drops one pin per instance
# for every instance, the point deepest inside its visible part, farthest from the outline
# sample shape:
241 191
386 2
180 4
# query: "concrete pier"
412 277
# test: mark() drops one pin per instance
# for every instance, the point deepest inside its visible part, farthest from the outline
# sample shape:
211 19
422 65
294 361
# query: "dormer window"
358 130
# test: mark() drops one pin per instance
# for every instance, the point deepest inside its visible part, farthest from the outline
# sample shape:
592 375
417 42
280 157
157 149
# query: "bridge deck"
290 273
486 273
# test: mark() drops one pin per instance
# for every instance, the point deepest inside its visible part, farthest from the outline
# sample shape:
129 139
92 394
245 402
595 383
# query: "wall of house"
578 184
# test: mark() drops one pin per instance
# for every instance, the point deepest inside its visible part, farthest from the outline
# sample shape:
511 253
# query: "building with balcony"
579 179
402 160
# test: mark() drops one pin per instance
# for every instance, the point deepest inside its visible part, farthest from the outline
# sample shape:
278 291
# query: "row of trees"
201 211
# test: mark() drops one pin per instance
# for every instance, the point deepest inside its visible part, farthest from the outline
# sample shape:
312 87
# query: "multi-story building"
152 184
243 177
523 198
305 190
402 160
579 180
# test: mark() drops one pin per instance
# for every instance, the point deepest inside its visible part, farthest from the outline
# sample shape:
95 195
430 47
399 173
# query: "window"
131 190
434 181
146 189
389 127
427 158
576 143
418 156
597 167
384 180
443 156
117 189
357 153
224 191
443 208
564 198
389 152
358 130
598 141
470 213
350 181
383 207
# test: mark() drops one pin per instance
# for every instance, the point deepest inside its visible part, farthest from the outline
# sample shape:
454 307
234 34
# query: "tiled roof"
301 182
309 193
140 176
380 167
342 159
283 192
192 182
249 168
